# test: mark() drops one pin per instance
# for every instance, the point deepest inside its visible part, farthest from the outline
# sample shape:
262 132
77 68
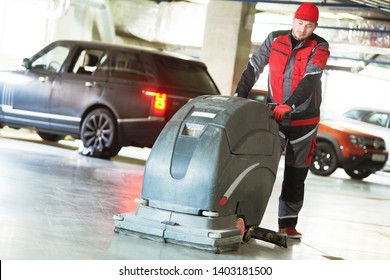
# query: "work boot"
291 232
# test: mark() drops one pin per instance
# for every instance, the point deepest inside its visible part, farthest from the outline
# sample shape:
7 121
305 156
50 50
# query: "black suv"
107 95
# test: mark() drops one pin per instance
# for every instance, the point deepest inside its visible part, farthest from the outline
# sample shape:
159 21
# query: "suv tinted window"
185 75
88 61
52 60
127 65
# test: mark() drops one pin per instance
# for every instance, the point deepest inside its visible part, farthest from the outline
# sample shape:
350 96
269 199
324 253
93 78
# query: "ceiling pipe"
365 61
286 2
60 11
357 29
340 28
104 20
320 3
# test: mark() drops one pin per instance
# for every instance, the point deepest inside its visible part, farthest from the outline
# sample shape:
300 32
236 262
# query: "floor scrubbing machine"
209 176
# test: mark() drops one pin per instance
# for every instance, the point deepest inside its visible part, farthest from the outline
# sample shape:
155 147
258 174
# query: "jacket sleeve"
312 78
255 67
246 82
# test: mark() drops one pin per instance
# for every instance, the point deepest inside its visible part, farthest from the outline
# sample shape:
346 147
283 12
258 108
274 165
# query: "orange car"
358 153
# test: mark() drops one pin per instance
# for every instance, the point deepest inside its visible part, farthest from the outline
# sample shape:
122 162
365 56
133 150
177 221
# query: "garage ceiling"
367 19
358 30
368 9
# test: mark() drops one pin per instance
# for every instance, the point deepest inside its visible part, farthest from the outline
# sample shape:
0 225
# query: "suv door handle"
91 84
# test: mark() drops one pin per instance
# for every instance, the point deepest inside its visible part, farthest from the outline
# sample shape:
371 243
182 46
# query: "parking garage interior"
56 204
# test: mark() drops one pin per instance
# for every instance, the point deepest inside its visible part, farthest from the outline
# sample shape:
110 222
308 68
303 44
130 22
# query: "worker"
296 60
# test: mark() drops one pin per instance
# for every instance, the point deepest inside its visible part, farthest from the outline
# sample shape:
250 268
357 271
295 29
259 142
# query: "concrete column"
227 42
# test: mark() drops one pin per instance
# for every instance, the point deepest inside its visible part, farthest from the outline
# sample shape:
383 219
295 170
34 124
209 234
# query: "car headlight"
378 144
358 141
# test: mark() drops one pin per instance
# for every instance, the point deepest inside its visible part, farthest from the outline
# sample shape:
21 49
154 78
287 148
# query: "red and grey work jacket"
294 73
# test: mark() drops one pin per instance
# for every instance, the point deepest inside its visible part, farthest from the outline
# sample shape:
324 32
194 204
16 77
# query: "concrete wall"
227 41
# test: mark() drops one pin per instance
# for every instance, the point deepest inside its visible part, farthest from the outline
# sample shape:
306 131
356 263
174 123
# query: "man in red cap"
296 60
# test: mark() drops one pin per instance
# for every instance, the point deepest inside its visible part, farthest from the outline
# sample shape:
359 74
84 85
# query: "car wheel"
99 134
358 174
324 160
50 137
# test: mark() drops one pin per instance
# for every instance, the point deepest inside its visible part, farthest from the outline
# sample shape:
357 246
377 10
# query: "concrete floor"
57 204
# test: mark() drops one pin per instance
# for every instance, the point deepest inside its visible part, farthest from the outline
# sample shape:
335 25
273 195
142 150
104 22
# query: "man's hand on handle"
280 110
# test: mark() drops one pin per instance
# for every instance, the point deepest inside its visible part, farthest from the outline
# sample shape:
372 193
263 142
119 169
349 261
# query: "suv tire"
325 160
358 174
99 134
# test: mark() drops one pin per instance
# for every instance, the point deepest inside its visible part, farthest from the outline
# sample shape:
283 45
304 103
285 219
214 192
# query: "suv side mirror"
26 63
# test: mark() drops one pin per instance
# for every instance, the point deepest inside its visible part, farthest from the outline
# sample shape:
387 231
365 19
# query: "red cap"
307 11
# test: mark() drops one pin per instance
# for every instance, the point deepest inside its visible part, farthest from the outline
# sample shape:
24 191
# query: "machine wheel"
99 134
247 235
324 161
245 230
358 174
50 137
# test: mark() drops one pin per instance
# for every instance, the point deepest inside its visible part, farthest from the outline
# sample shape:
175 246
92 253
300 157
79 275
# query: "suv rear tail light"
159 102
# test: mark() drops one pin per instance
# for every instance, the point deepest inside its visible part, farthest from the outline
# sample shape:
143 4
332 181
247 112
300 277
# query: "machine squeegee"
212 168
